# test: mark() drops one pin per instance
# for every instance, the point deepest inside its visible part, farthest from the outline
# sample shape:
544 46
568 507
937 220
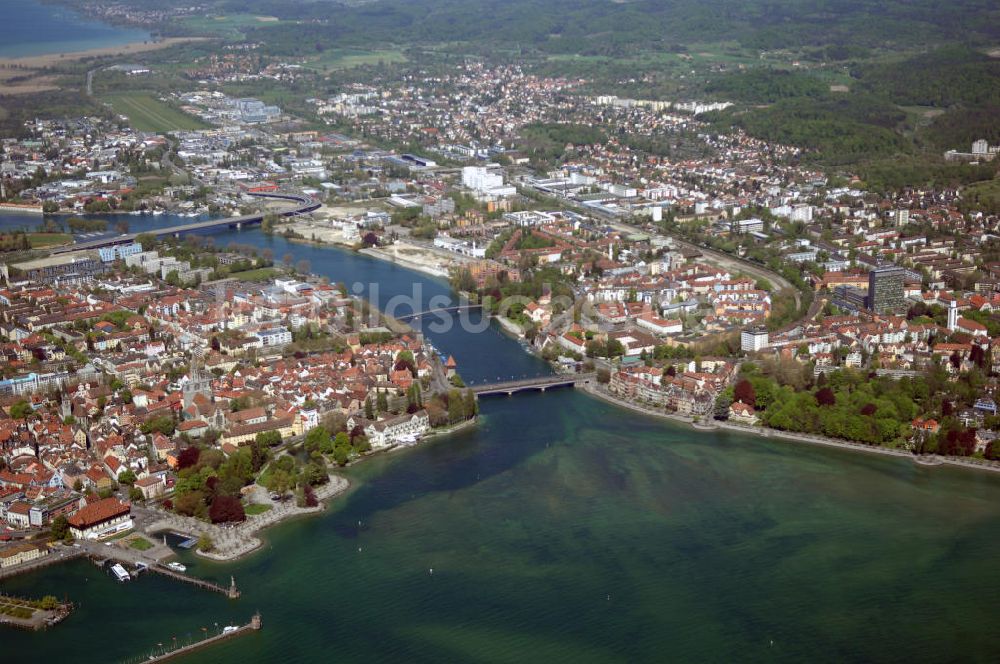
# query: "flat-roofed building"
885 289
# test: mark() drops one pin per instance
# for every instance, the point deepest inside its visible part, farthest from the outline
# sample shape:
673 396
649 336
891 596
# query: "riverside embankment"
708 425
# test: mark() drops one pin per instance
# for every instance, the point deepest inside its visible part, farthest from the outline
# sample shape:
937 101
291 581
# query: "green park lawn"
42 240
147 113
259 274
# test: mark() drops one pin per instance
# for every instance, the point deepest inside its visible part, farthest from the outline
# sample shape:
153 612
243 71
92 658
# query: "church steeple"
199 382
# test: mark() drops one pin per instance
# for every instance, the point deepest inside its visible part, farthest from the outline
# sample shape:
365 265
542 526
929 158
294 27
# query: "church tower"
199 382
952 315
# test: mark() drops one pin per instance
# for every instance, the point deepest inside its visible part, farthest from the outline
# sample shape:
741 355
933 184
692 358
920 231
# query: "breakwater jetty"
162 653
232 592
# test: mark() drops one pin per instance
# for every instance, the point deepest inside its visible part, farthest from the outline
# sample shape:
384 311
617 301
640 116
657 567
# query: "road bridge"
305 205
441 310
540 383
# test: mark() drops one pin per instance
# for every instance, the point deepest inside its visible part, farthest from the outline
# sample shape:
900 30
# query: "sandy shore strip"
411 257
233 542
764 432
436 263
52 59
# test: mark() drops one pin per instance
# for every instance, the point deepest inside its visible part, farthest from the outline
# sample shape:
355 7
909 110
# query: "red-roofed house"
972 327
742 413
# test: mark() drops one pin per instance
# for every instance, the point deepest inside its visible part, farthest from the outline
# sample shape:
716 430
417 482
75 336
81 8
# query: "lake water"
564 529
32 28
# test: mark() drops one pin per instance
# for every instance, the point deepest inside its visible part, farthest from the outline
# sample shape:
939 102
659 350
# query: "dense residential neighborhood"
115 385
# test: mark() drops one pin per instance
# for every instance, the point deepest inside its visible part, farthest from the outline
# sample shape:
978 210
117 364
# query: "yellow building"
21 553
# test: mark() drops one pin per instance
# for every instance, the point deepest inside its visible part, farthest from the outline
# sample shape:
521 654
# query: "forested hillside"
844 28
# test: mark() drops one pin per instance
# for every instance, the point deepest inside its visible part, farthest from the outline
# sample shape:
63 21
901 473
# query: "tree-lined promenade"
708 425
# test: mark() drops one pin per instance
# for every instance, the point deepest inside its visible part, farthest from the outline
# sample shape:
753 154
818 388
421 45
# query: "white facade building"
753 340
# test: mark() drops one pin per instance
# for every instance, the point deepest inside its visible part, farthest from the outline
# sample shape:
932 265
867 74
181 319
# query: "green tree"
205 543
456 406
342 440
268 438
471 405
279 481
317 439
60 527
21 410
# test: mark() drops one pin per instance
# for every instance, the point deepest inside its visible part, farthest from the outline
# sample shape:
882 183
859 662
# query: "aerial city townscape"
479 331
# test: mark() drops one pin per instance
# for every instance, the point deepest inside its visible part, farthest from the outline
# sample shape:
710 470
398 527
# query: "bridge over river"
305 205
439 310
541 383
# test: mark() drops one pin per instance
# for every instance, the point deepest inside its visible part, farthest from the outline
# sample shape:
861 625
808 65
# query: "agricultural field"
147 113
335 59
229 26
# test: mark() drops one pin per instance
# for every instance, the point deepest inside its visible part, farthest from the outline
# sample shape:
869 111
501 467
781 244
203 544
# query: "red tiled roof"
99 512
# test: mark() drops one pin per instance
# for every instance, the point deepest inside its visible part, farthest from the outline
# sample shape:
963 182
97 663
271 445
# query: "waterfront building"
742 413
391 431
101 519
21 553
